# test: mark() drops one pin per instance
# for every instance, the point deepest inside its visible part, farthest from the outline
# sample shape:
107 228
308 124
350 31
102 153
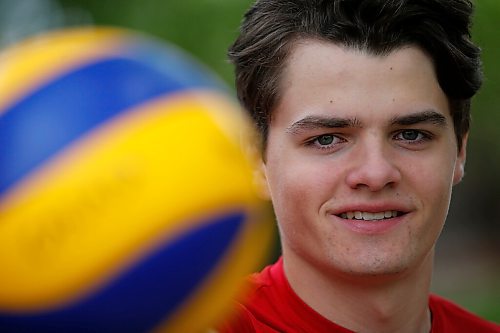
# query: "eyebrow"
316 122
427 116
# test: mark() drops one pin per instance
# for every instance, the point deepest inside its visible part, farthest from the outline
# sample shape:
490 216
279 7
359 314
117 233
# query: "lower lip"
372 227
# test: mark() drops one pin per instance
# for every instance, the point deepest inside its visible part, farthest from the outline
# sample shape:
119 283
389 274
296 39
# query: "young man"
363 107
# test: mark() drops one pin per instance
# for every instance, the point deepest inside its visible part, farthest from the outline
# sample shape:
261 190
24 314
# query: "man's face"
361 158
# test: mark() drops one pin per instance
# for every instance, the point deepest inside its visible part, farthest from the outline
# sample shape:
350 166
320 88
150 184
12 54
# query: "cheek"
286 185
297 192
432 184
301 183
298 189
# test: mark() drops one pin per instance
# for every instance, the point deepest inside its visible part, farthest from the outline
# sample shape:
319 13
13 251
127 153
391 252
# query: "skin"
358 132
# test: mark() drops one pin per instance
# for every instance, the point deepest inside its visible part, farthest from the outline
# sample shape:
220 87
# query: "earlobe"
459 171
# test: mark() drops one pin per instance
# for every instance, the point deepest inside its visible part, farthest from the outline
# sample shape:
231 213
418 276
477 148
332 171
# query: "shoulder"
241 321
449 317
256 312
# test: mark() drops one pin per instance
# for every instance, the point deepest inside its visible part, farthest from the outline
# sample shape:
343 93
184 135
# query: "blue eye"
325 140
410 135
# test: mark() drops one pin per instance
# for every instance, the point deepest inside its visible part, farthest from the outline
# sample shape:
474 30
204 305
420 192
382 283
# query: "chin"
378 271
376 267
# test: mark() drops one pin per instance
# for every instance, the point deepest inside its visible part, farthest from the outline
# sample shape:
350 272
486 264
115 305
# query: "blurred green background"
468 254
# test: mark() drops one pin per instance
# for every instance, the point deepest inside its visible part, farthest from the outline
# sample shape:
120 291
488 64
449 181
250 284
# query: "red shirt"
274 307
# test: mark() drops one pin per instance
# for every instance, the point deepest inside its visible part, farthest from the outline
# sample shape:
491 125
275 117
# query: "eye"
412 136
325 140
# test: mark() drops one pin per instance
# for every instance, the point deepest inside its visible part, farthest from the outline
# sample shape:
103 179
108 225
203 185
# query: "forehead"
324 77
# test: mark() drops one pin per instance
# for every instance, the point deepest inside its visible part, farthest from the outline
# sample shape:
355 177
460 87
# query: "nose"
372 168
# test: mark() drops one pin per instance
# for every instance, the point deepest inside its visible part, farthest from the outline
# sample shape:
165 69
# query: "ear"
260 180
459 171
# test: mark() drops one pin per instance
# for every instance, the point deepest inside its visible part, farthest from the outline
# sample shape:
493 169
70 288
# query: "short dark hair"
439 27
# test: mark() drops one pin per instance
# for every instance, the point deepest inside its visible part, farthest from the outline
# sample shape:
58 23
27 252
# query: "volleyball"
127 198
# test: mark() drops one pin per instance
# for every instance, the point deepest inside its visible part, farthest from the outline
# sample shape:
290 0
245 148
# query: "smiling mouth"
368 216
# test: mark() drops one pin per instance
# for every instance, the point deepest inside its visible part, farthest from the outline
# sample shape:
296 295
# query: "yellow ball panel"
145 173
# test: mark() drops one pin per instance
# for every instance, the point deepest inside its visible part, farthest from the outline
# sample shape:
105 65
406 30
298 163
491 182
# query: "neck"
397 303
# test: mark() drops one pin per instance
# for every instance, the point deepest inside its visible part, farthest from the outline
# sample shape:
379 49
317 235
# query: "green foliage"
485 33
204 28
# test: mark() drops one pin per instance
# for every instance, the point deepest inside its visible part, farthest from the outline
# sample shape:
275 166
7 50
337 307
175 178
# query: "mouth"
371 216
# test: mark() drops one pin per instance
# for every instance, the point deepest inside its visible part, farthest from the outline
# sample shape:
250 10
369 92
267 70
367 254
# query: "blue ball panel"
148 293
41 124
174 63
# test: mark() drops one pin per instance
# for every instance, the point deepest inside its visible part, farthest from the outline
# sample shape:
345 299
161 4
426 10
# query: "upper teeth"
367 216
